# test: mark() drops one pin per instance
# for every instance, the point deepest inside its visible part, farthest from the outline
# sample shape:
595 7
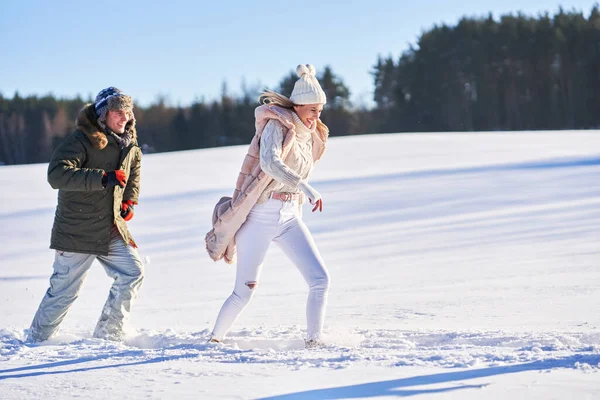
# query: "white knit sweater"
298 163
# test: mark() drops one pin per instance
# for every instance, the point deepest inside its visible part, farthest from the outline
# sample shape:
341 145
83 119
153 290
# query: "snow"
463 266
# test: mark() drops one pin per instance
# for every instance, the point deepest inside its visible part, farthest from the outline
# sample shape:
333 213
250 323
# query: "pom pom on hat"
307 89
302 70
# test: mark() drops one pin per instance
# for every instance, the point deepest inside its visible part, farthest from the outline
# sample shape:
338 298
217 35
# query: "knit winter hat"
114 99
307 89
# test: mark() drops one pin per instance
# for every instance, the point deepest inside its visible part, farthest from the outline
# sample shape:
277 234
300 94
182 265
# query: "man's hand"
114 178
127 209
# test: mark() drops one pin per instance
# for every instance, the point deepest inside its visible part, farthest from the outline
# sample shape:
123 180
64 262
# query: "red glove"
127 209
114 178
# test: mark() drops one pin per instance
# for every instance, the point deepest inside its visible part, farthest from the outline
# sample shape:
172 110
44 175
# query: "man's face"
116 120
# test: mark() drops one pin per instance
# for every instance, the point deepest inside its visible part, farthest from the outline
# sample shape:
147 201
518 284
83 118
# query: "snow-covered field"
463 266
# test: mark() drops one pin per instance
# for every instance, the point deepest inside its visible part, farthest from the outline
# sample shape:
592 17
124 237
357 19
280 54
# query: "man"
97 173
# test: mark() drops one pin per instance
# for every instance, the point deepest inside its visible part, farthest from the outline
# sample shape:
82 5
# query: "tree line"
517 72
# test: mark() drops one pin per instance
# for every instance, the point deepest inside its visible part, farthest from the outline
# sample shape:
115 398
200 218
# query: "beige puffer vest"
231 212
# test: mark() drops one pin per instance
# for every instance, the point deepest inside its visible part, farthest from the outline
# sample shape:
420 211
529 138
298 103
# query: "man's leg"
70 270
124 265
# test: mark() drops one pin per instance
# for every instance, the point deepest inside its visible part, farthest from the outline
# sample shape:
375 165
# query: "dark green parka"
86 211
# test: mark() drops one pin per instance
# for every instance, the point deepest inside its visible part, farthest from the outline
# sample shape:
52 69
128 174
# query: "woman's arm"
271 146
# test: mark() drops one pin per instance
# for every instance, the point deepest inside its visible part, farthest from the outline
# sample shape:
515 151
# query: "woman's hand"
311 193
319 205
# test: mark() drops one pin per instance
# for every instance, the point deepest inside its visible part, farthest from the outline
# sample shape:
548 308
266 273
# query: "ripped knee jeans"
279 222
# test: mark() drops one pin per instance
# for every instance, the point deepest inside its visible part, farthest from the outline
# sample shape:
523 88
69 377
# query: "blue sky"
185 50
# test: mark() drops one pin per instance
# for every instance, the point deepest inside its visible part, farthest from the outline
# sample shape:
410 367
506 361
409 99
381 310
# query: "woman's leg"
252 242
298 244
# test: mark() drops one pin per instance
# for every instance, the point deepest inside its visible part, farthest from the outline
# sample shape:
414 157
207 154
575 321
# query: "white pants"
123 264
279 222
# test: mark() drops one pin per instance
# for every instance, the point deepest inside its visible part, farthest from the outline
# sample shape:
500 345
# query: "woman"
266 205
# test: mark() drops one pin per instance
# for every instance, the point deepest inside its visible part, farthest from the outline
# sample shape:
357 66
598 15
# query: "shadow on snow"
394 387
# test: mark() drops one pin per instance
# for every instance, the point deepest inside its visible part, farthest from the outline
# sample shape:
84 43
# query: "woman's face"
309 113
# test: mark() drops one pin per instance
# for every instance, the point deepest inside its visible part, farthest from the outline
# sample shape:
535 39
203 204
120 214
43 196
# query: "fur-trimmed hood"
87 123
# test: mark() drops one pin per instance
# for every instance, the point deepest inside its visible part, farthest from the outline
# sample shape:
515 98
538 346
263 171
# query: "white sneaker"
313 343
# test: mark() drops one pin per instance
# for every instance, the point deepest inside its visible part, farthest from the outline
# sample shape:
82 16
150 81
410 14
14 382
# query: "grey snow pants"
123 264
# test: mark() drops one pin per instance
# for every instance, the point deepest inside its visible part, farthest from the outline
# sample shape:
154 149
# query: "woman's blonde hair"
272 98
275 99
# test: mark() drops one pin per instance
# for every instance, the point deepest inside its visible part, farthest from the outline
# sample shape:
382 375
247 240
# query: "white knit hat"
307 89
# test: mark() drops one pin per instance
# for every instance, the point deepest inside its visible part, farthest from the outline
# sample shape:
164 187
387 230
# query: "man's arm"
65 171
132 190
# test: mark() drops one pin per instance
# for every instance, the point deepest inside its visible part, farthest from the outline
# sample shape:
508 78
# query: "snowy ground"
464 266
